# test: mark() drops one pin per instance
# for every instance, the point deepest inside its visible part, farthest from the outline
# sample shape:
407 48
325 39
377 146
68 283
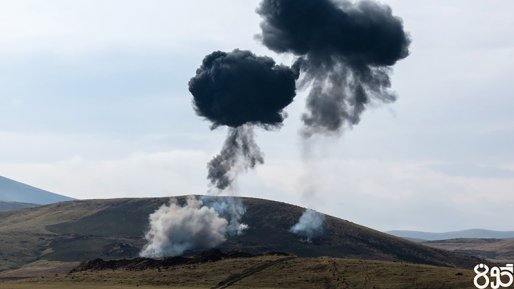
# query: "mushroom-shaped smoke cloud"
240 90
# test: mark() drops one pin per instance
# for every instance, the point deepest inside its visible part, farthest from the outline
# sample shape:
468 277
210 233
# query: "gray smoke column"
344 51
175 229
309 226
240 90
239 153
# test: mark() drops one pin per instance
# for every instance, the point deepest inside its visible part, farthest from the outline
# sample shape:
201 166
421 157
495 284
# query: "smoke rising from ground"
198 224
232 209
344 52
239 89
309 226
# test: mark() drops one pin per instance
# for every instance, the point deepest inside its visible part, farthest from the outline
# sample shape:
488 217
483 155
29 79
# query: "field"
264 272
495 250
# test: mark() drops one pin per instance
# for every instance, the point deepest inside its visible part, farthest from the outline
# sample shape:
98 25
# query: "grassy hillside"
78 230
501 251
24 236
8 206
266 272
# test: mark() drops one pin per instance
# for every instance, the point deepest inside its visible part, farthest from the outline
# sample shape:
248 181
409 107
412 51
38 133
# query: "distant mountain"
13 191
8 206
496 250
111 229
473 233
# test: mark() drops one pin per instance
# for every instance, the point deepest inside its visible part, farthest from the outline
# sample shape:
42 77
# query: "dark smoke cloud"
240 90
344 52
238 87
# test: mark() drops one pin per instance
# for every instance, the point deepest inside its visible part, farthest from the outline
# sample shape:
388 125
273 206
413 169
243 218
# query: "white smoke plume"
309 226
230 208
199 224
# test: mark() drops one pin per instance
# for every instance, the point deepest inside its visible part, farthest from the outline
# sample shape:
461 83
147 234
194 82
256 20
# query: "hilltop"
112 229
467 234
13 191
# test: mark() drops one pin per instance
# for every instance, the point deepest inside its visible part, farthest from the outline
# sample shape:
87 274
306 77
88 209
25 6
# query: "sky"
94 104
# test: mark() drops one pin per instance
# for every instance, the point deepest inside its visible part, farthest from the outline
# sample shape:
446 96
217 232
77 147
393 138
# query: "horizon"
171 197
95 105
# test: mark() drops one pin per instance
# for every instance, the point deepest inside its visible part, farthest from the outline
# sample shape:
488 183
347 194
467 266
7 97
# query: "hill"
496 250
110 229
7 206
13 191
473 233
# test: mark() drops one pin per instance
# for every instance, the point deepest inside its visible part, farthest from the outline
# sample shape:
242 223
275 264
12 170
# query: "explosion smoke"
175 229
239 153
309 226
231 209
239 89
198 224
344 51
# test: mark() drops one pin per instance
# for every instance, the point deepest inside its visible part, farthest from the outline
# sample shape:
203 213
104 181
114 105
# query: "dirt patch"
140 264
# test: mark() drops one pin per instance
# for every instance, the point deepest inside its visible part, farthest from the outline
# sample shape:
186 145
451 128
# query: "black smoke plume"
239 153
344 51
240 90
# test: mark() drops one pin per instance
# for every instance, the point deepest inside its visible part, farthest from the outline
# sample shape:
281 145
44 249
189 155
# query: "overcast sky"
94 104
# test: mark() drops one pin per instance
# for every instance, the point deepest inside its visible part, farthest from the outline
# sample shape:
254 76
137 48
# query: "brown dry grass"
495 250
301 273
